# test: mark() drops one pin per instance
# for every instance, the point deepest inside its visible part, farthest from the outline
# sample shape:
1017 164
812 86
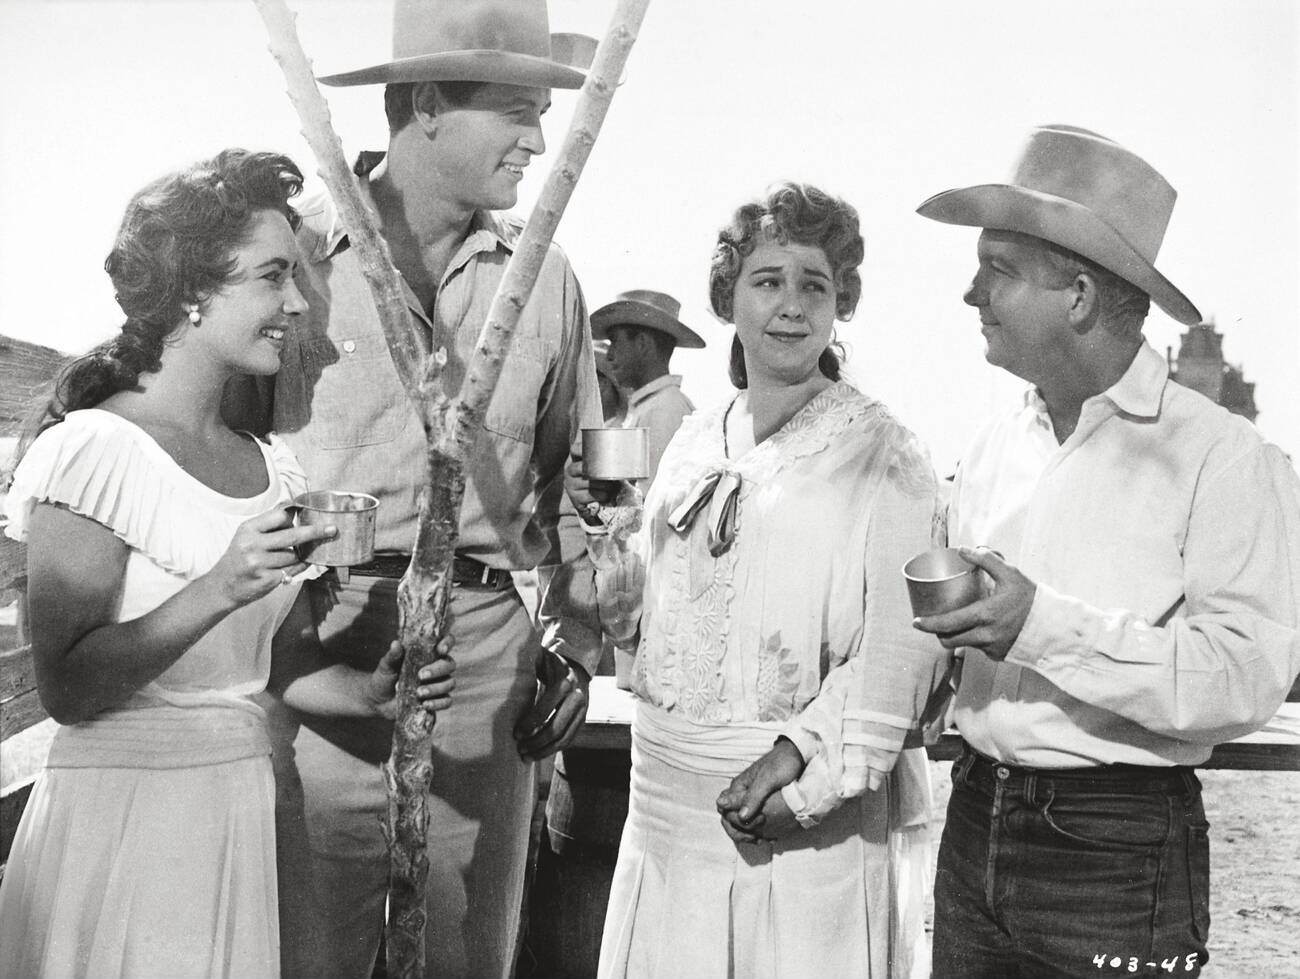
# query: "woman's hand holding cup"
261 557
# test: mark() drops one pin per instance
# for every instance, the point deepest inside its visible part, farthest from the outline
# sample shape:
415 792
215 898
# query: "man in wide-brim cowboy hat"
643 329
465 91
1143 548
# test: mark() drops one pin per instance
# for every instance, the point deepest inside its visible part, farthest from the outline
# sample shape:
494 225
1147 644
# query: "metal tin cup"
940 580
615 453
354 516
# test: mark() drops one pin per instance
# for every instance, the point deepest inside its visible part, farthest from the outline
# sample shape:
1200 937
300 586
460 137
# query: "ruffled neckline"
810 430
105 467
154 451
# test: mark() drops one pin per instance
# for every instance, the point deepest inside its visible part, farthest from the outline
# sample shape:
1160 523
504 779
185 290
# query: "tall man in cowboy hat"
465 94
643 330
1143 547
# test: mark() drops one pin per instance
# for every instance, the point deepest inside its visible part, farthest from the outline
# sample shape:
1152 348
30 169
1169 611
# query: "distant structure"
1201 367
25 370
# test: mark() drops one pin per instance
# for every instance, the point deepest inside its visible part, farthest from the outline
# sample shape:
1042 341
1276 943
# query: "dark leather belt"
465 571
984 773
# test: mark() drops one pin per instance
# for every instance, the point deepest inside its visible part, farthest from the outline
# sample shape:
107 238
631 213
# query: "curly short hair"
798 213
175 247
790 213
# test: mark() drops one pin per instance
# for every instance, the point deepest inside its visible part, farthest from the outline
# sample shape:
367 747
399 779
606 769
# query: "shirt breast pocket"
355 396
513 409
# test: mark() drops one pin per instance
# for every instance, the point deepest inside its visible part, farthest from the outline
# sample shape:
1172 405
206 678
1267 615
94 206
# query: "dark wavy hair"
790 213
175 247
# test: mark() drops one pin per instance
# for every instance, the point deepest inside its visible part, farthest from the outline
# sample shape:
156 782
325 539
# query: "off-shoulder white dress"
148 845
800 627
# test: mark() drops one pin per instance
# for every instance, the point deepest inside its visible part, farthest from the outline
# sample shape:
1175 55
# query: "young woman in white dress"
163 597
776 826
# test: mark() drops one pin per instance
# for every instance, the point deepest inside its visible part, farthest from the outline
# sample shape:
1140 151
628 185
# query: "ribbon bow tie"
719 489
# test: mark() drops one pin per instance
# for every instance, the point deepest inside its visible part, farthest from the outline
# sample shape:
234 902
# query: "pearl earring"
195 316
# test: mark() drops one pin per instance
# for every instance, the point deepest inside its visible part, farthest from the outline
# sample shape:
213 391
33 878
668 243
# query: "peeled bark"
451 429
405 342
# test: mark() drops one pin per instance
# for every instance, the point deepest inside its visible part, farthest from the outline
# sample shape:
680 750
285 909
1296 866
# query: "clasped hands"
752 806
992 624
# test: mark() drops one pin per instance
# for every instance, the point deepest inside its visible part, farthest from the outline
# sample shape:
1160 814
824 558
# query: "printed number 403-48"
1133 963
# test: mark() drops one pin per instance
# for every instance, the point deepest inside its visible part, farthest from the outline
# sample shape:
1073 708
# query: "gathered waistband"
704 749
163 736
984 773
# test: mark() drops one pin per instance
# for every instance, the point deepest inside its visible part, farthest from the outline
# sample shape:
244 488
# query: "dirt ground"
1254 870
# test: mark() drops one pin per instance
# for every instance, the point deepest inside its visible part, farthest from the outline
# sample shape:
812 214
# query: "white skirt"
845 898
137 872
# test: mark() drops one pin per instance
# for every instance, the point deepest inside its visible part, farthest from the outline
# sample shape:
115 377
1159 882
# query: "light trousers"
331 797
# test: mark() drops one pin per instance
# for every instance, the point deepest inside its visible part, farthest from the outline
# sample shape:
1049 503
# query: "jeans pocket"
1198 876
1109 821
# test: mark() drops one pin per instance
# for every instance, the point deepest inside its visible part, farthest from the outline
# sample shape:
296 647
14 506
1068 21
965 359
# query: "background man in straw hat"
1143 605
643 330
465 93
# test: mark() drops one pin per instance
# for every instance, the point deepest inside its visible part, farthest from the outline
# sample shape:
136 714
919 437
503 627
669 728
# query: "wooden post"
451 428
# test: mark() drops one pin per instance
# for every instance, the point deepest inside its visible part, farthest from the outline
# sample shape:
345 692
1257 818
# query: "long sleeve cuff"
1057 626
811 796
832 773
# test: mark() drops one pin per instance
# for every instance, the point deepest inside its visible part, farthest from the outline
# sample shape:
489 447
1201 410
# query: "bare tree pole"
451 428
424 591
405 342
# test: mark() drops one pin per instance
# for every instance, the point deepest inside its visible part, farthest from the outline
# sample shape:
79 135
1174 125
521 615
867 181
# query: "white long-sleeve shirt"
1164 536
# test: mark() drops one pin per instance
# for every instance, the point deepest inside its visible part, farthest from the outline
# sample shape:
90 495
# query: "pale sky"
883 104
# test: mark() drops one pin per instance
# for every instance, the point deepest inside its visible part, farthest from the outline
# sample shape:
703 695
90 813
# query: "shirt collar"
1137 393
658 384
486 229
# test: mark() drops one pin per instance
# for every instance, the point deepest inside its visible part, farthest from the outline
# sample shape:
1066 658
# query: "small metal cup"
940 580
615 453
354 516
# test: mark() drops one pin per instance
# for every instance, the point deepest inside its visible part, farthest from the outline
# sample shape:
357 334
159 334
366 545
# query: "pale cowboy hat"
1086 193
648 309
503 41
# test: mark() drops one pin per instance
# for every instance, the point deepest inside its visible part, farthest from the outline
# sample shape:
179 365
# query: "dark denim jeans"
1090 872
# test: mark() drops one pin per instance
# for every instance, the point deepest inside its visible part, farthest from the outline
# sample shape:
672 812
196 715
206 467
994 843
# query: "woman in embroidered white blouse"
777 673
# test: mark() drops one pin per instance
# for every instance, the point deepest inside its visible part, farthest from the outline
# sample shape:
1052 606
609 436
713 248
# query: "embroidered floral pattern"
771 630
689 628
682 668
778 680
